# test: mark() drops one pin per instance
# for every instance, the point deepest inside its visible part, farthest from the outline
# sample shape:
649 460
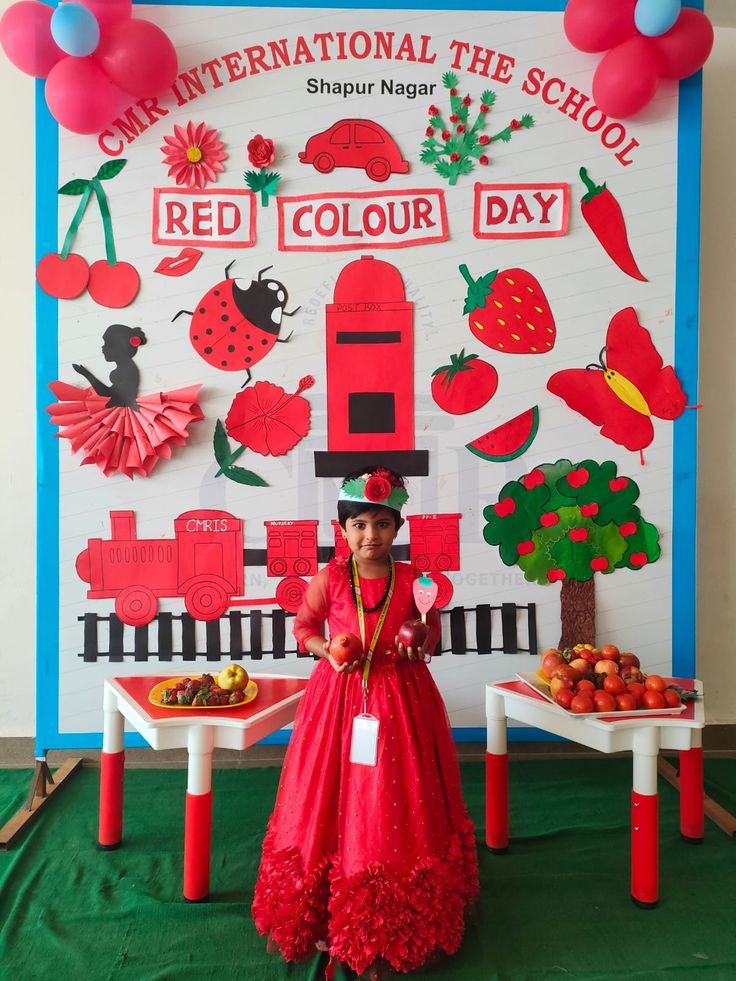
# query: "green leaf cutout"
77 186
242 476
110 169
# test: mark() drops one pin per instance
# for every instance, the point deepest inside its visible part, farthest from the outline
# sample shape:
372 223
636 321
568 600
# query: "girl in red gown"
376 864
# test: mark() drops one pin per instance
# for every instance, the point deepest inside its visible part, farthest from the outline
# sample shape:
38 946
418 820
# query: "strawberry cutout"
509 312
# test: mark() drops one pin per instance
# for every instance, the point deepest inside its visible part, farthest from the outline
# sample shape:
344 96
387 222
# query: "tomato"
585 685
626 702
671 698
610 652
564 697
604 702
655 682
581 704
653 699
464 385
615 684
637 689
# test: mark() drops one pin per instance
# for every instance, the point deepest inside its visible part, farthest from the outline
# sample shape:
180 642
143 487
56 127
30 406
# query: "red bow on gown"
377 862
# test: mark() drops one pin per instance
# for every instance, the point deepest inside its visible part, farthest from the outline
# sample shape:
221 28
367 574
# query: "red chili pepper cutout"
603 214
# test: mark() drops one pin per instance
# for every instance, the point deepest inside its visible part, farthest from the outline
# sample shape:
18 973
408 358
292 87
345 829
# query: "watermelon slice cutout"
508 440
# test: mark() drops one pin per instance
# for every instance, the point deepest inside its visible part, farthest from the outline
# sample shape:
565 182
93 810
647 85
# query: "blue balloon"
655 17
75 29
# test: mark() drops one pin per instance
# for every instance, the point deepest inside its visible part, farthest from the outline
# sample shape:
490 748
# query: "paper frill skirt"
119 439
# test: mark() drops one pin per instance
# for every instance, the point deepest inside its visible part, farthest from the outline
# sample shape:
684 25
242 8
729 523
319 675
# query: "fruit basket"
534 681
200 694
586 680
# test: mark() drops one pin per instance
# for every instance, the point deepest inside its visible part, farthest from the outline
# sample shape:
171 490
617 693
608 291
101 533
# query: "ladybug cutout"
234 328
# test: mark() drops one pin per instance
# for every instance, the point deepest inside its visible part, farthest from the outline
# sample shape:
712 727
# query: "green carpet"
556 906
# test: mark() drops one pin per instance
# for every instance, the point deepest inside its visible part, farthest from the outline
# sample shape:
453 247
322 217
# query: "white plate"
535 682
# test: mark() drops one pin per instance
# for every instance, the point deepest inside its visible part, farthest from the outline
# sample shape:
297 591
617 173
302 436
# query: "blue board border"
48 735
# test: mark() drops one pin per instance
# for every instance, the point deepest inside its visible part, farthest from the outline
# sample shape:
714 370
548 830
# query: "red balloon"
109 11
686 46
597 25
80 96
25 35
627 77
138 57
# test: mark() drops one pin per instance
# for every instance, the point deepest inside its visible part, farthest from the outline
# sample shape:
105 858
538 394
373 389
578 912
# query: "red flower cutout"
267 419
377 489
261 151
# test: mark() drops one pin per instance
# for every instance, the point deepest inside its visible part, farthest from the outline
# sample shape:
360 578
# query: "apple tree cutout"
66 275
564 522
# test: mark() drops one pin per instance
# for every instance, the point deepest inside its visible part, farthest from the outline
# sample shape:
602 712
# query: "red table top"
521 688
271 691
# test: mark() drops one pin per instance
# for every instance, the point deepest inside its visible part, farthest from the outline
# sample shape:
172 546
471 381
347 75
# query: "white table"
642 736
197 730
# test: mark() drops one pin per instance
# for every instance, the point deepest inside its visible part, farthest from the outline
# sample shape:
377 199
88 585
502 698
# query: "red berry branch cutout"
461 143
66 274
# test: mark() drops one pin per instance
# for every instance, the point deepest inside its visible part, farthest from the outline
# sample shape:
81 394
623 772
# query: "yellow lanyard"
361 620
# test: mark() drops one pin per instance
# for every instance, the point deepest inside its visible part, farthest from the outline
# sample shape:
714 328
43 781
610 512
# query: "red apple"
413 633
550 661
582 665
606 667
628 660
345 648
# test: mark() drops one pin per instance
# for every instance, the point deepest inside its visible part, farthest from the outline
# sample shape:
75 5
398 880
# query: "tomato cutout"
464 385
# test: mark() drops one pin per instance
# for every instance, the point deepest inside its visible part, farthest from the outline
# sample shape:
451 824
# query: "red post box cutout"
370 373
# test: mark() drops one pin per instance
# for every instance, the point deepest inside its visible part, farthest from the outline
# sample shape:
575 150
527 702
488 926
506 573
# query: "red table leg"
692 818
198 817
497 775
644 820
112 766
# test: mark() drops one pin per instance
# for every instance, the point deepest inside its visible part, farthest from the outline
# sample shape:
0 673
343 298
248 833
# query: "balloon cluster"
92 54
644 40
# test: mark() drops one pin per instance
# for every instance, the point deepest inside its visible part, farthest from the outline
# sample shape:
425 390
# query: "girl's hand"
347 667
412 653
80 369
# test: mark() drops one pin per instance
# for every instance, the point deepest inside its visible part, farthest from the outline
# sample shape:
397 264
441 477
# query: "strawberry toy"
509 312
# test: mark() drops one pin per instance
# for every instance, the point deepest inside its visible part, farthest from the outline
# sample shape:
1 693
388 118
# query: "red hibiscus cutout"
268 420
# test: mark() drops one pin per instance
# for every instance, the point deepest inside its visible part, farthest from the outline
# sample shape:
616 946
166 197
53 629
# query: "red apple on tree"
345 648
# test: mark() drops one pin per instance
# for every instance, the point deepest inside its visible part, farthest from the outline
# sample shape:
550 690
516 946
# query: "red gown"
376 862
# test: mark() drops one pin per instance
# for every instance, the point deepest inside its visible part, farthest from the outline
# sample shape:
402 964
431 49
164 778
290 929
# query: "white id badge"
364 742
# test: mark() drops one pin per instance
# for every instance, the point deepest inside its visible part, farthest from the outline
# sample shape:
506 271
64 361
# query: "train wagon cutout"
204 563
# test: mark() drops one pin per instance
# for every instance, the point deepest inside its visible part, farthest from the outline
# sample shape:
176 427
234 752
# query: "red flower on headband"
377 489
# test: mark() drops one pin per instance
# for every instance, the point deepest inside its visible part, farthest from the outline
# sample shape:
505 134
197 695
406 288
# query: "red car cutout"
357 143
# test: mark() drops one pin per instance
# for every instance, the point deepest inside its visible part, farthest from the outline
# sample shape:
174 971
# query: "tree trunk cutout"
577 612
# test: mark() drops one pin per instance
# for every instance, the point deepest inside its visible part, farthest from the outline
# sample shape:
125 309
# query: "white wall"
717 462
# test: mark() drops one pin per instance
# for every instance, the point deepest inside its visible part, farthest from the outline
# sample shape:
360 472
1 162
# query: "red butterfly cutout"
622 393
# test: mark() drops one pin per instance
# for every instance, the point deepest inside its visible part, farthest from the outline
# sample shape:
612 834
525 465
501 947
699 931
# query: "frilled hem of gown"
402 917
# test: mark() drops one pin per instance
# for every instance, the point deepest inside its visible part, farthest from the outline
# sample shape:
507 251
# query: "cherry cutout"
113 286
62 278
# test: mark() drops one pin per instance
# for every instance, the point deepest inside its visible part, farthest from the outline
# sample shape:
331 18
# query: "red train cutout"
204 562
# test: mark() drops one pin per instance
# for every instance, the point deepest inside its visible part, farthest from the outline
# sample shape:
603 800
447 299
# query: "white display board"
317 75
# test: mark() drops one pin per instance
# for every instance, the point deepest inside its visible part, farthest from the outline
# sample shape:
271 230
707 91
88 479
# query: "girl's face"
370 535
